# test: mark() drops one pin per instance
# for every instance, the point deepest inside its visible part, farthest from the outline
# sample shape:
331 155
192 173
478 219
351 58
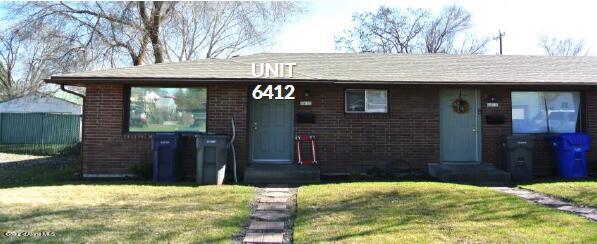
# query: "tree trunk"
154 32
152 28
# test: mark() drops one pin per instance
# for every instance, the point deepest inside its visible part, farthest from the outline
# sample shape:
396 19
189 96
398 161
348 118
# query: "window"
157 109
545 112
366 101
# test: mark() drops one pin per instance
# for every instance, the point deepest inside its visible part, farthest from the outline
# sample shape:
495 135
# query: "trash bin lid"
520 140
211 135
576 138
165 134
520 137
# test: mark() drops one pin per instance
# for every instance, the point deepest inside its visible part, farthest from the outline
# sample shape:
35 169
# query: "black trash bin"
165 149
212 155
518 156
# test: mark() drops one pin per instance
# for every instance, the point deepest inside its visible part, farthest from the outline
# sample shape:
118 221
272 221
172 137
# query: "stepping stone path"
552 202
271 219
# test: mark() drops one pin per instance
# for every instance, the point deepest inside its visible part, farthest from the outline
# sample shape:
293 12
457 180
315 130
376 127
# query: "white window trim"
366 96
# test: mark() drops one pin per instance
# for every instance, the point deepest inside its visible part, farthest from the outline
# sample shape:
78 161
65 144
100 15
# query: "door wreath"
460 105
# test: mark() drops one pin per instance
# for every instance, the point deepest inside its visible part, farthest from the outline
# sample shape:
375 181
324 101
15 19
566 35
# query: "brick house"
390 112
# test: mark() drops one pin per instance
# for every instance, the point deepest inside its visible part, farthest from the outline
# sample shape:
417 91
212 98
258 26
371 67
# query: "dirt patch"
10 158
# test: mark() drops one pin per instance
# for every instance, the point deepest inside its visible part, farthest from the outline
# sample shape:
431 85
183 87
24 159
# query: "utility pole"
500 35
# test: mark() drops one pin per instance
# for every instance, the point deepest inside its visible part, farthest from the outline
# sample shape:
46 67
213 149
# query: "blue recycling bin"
165 150
570 150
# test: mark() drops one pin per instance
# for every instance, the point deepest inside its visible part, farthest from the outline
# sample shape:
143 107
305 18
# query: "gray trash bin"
518 156
212 155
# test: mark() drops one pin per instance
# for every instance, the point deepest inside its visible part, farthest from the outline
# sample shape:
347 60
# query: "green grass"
23 170
580 192
41 194
429 212
125 213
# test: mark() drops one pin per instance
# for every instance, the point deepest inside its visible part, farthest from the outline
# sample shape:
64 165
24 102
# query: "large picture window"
366 101
545 112
158 109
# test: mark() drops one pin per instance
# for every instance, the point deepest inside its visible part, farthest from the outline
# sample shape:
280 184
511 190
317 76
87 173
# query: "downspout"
82 125
72 92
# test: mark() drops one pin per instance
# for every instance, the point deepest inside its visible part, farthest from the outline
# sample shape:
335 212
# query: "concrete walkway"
271 219
549 201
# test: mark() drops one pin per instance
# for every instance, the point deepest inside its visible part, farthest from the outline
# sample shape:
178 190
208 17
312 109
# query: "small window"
366 101
158 109
545 112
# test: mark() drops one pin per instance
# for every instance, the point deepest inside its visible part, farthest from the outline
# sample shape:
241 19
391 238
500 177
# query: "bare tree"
470 44
441 33
10 46
112 28
213 29
181 30
153 23
391 30
29 53
443 28
565 47
44 38
3 74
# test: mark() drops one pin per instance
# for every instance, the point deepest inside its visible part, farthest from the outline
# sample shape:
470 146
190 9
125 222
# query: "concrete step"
252 237
486 174
281 174
266 226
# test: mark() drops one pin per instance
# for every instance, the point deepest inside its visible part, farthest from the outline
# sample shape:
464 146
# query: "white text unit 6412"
273 70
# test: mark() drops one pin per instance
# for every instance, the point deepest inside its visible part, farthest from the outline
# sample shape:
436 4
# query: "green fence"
39 133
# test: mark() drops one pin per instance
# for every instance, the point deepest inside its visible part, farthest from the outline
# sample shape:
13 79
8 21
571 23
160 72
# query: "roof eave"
70 80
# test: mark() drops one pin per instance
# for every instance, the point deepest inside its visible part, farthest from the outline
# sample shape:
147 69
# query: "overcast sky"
522 21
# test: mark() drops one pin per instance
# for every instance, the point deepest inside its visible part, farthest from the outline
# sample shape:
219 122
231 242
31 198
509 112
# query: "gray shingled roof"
370 68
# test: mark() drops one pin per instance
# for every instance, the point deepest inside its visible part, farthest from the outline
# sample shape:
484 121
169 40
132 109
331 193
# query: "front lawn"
22 170
125 213
580 192
429 212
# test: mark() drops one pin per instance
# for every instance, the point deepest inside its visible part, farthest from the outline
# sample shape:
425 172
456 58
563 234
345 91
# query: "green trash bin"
518 156
212 155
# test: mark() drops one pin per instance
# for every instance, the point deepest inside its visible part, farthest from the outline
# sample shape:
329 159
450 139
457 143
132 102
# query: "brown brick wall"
355 142
591 126
407 137
107 150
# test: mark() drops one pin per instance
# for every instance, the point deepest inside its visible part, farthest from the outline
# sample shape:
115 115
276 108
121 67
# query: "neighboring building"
40 103
40 123
386 111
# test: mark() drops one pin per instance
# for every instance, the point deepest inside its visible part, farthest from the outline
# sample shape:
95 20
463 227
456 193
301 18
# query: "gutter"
72 92
183 81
